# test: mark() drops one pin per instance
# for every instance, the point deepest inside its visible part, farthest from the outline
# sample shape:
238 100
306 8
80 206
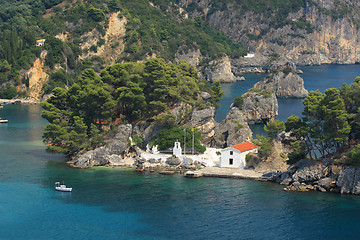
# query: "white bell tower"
177 149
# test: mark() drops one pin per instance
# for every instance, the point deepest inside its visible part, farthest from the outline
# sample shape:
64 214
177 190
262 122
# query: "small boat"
3 120
62 187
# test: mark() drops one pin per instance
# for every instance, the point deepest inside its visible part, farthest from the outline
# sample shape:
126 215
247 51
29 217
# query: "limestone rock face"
325 183
309 171
259 106
114 33
330 41
349 180
192 57
37 76
232 130
105 155
204 120
285 85
219 70
205 96
123 132
96 157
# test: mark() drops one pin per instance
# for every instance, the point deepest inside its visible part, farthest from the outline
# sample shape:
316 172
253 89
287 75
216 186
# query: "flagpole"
184 140
193 142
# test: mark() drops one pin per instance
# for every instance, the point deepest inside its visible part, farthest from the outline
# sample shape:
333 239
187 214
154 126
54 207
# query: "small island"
158 116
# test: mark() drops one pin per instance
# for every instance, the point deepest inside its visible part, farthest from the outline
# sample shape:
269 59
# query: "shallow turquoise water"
112 203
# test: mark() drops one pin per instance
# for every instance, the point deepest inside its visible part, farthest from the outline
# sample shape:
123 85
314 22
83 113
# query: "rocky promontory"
219 70
203 119
111 154
285 82
232 130
318 175
260 105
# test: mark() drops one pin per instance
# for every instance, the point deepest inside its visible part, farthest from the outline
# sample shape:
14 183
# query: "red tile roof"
245 146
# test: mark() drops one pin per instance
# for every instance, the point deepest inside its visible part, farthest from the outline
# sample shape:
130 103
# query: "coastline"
19 101
302 177
218 172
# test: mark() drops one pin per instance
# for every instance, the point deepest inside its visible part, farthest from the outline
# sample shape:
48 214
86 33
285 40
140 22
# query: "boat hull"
63 189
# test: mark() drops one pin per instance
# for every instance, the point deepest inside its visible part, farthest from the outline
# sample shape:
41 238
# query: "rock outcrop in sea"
260 105
285 82
318 175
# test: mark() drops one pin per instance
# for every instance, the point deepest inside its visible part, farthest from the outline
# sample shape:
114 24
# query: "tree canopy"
132 91
329 122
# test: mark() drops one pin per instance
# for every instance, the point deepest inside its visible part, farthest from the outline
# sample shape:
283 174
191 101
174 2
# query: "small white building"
234 156
40 42
250 55
177 149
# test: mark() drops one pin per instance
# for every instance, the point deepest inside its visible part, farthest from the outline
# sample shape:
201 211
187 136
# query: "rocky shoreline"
19 101
323 176
306 175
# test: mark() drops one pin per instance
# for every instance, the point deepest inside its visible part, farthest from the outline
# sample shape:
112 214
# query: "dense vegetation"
170 132
18 36
329 124
149 30
130 91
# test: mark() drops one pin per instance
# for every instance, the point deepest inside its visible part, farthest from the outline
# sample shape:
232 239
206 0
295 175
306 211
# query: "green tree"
96 14
354 156
8 92
132 101
217 93
273 128
167 136
72 114
238 102
335 119
264 144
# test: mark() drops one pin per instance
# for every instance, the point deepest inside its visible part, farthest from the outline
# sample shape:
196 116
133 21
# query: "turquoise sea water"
115 203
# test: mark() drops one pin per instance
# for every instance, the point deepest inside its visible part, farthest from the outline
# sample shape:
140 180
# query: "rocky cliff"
322 176
260 105
204 120
318 32
113 153
285 83
219 70
232 130
216 70
37 76
114 36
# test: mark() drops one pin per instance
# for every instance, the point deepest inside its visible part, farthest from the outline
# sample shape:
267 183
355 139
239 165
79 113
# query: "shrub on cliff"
238 102
354 157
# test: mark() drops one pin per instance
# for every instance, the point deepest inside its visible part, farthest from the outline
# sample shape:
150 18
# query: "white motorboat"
62 187
3 120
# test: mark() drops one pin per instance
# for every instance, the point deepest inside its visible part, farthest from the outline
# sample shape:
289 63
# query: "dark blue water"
315 77
115 203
